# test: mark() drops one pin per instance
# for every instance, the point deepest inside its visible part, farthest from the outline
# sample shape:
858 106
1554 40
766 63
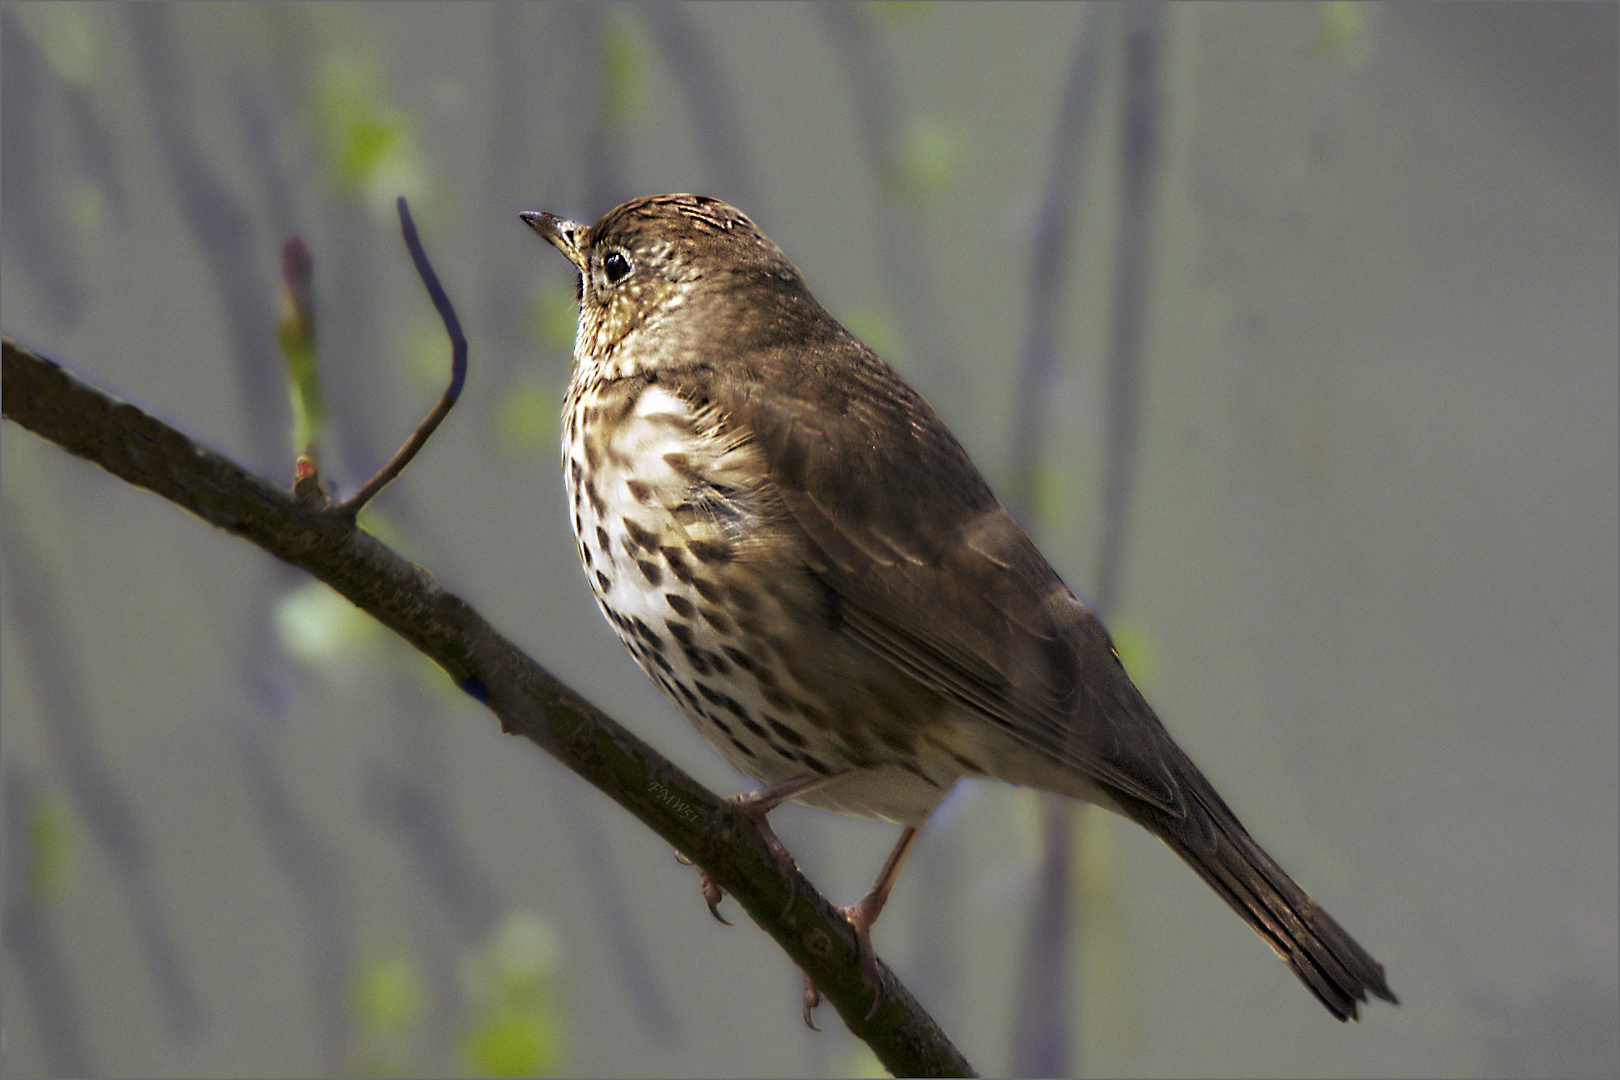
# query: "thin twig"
458 372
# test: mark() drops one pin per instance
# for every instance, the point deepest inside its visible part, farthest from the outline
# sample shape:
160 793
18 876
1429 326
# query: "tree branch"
324 541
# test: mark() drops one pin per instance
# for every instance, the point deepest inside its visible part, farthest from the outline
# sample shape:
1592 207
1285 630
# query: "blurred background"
1315 304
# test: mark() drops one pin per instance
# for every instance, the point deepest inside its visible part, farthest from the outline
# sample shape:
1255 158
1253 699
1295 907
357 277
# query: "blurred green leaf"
370 148
623 68
1107 967
877 330
379 524
1055 492
554 314
514 1027
425 349
387 999
1342 32
367 146
930 156
85 205
1136 651
1028 830
896 12
65 34
49 841
861 1064
387 996
320 627
527 417
511 1043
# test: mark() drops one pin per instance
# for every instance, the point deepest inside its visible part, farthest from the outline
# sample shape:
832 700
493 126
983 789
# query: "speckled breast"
702 580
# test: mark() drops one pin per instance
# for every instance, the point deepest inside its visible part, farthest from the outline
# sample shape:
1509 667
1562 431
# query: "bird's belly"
724 617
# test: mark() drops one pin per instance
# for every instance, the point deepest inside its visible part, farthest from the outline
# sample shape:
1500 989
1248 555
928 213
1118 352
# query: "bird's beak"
564 235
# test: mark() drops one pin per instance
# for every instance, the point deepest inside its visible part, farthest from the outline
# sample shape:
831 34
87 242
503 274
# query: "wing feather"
934 575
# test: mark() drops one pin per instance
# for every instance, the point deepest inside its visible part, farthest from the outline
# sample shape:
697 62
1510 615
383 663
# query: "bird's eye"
616 266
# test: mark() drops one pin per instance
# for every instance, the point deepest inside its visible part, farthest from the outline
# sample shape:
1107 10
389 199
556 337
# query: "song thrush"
802 557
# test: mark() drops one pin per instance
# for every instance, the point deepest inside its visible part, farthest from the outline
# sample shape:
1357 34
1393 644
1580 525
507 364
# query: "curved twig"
458 372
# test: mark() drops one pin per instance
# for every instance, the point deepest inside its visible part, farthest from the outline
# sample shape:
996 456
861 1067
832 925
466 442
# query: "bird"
802 557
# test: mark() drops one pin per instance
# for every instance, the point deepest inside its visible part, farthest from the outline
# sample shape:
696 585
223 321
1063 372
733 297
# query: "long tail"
1213 842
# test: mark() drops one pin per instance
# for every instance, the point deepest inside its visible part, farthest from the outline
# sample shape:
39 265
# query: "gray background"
1371 569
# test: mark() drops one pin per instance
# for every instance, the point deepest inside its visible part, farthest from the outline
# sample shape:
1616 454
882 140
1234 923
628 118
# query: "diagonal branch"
142 450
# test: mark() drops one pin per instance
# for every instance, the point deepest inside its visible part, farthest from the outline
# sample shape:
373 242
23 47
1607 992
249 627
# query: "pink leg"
861 915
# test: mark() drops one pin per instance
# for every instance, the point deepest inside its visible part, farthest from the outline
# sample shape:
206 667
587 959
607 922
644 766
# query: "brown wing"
933 573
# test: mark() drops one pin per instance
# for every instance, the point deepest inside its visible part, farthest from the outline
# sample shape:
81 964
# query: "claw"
712 895
812 998
861 916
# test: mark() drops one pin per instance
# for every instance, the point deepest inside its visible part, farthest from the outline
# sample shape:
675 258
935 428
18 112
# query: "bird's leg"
761 801
861 915
755 805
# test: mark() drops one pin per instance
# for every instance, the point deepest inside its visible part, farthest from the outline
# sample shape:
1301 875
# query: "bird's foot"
861 916
757 804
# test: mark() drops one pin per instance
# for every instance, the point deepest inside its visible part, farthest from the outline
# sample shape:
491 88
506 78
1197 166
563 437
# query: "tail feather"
1213 842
